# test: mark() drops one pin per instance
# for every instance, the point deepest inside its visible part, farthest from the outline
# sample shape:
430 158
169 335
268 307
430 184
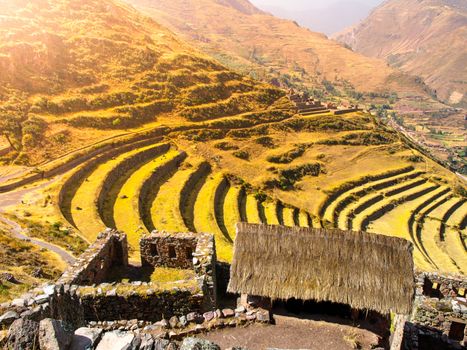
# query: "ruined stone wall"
440 307
161 249
93 266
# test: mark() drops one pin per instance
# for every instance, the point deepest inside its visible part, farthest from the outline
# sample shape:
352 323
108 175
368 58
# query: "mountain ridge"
424 38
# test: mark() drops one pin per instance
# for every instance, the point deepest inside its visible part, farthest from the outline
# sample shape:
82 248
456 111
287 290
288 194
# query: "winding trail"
18 232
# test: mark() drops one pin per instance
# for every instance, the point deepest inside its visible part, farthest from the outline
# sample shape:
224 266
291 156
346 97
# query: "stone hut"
362 270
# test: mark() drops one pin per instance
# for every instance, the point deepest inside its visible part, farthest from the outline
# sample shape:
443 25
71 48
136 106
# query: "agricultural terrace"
272 167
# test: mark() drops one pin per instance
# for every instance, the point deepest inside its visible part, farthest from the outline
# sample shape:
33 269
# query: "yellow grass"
87 217
453 242
331 208
252 213
431 241
166 274
357 222
126 209
288 217
205 217
270 211
165 211
395 223
232 210
303 219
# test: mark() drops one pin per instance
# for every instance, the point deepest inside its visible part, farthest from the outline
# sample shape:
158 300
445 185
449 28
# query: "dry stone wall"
93 266
168 250
440 313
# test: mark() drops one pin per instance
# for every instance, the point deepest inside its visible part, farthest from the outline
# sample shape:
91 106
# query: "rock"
228 313
163 323
146 342
198 344
86 338
161 344
49 289
174 322
23 335
263 316
208 316
19 302
8 318
240 309
183 321
218 314
41 299
172 346
54 335
8 277
118 340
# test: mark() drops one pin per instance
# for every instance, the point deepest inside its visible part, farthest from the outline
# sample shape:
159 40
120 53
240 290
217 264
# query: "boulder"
198 344
161 344
86 338
8 318
54 335
118 340
23 335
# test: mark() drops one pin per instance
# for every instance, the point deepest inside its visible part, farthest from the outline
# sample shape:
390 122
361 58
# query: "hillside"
278 50
73 73
424 38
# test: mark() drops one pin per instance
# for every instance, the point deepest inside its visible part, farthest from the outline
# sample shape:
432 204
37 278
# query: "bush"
289 156
242 155
225 146
266 141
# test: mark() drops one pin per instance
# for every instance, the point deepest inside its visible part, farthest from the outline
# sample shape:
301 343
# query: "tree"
10 128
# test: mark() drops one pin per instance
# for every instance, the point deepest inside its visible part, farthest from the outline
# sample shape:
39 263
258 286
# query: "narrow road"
18 232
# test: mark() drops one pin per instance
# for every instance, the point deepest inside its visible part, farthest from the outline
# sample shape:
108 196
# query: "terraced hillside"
76 73
411 205
160 187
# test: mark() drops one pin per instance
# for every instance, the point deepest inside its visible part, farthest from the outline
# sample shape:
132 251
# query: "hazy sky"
327 16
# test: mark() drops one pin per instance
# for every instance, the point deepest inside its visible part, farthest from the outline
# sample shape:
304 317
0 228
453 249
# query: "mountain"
426 38
328 17
277 50
74 72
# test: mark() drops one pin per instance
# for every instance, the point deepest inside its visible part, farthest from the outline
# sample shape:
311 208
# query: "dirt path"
18 232
293 333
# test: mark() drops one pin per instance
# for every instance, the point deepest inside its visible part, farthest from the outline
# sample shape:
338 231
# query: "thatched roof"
363 270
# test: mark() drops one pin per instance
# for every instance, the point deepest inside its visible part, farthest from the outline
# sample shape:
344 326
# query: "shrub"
289 156
225 146
266 141
242 155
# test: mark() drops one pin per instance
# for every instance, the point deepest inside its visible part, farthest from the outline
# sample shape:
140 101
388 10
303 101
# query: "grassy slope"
271 47
100 68
424 38
84 208
126 209
166 213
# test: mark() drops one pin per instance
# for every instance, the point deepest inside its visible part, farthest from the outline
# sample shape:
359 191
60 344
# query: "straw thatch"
363 270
